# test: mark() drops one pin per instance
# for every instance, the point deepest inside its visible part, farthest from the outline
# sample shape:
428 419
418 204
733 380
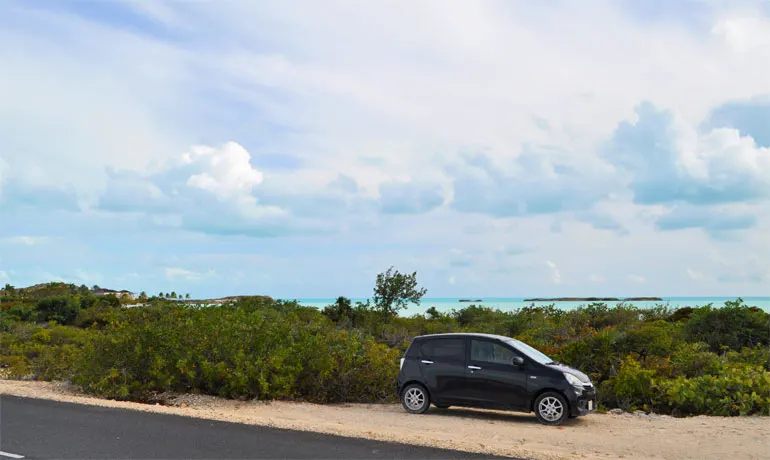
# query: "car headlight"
574 381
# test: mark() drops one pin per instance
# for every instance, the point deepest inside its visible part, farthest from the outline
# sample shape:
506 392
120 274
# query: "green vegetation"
694 360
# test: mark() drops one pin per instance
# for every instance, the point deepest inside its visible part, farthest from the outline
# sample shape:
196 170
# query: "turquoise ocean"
513 303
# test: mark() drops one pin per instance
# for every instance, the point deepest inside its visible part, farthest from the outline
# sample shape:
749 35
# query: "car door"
493 378
442 364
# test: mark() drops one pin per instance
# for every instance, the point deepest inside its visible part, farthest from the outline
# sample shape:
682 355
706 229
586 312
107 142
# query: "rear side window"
413 351
452 349
491 352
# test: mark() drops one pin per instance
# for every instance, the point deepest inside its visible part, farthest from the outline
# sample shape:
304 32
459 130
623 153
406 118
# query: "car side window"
490 352
446 349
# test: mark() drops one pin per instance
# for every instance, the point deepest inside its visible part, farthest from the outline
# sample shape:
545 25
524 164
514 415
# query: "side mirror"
517 361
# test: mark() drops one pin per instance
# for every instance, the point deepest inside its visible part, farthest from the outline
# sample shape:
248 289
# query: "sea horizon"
445 304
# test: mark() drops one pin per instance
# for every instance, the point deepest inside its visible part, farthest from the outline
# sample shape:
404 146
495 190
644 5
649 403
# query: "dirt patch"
597 436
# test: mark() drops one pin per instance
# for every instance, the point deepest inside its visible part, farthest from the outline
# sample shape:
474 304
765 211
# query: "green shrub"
631 389
695 360
756 356
62 309
595 353
658 338
733 326
740 390
244 351
45 352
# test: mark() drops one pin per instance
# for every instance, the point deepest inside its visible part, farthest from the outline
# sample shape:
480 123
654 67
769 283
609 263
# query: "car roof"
462 334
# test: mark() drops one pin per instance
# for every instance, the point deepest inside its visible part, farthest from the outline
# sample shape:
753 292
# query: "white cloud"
227 171
177 273
26 240
748 37
384 94
636 278
669 160
555 273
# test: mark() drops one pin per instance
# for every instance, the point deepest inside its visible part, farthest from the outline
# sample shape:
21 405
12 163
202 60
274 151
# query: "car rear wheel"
415 399
551 408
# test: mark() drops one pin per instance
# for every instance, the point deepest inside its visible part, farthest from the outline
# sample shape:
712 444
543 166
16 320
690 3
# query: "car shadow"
496 416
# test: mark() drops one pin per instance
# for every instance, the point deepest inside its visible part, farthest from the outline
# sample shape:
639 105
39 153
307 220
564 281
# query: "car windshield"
531 352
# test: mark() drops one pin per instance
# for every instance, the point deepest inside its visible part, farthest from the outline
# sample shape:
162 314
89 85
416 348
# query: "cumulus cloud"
409 197
226 171
750 117
711 219
669 161
345 123
207 189
537 181
601 221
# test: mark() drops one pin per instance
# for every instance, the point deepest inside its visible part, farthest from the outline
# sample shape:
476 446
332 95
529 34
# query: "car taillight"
402 364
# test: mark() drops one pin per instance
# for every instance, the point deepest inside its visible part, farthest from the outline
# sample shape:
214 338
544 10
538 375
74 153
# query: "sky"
298 148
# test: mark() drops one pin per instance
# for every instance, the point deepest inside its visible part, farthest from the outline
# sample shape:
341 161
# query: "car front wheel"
415 399
551 408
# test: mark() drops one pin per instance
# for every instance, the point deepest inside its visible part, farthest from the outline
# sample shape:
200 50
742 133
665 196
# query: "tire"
415 399
551 408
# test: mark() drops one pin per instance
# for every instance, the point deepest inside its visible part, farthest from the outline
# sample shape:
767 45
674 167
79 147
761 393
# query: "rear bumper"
582 403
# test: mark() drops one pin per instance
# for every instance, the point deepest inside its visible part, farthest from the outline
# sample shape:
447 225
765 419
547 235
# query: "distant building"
119 294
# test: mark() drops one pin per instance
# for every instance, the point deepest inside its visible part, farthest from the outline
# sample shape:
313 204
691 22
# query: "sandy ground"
597 436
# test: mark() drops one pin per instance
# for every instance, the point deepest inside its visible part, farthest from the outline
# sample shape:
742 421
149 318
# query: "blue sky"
298 148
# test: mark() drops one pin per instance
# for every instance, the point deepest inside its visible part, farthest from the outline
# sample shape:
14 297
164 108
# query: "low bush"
733 326
695 360
41 352
739 390
247 351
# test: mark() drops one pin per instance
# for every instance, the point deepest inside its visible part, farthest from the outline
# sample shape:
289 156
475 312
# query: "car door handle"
425 361
475 368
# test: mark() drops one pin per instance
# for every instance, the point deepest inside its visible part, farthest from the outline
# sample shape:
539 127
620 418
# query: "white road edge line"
6 454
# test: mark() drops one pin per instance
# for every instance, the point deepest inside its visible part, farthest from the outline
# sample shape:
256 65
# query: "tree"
143 296
187 296
62 309
394 290
9 292
173 294
432 313
340 310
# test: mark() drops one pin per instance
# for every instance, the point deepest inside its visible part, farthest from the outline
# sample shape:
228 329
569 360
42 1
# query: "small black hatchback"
491 372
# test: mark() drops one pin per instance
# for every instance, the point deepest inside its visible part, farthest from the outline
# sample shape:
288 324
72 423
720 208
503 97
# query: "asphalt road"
40 429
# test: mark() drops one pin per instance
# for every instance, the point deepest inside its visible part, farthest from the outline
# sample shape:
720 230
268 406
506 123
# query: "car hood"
581 376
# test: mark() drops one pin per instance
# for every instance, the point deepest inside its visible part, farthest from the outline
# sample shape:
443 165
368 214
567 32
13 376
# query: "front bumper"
582 402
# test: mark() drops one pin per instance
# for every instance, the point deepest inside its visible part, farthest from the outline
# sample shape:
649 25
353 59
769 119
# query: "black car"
492 372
